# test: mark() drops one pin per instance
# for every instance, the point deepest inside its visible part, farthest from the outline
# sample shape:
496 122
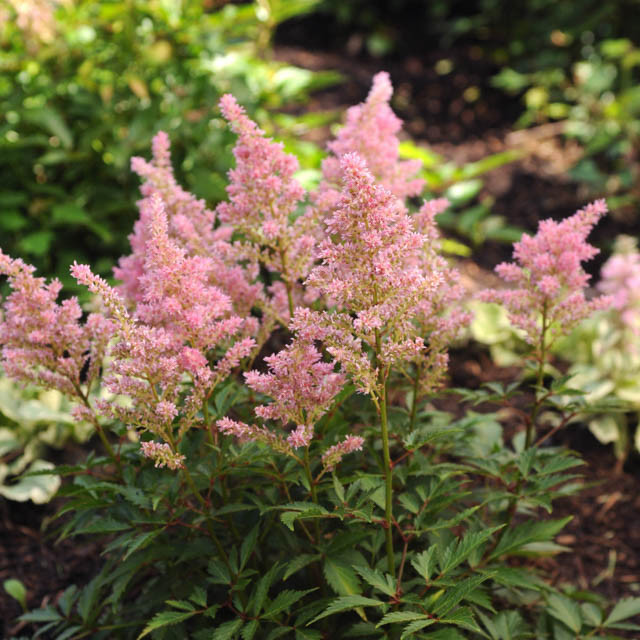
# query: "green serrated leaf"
88 601
284 600
456 594
259 595
417 625
377 580
48 614
183 605
566 611
141 541
345 603
199 596
218 572
458 551
165 619
299 562
338 488
66 600
248 545
401 616
625 608
424 562
341 577
227 630
528 532
249 630
591 613
463 617
69 632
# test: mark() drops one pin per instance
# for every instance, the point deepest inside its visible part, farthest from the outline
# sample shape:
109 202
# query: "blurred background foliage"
84 85
576 64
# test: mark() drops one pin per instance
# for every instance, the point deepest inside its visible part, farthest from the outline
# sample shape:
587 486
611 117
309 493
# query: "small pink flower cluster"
333 455
549 298
43 342
302 387
162 455
621 281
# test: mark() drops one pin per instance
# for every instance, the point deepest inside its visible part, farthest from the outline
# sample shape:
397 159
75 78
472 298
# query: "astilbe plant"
548 299
285 491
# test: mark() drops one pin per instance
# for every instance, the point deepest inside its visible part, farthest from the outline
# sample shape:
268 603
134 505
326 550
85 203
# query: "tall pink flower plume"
176 290
43 341
191 226
371 131
548 296
263 196
372 271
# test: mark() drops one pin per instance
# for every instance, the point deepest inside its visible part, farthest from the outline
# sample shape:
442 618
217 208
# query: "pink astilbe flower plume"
182 323
371 269
263 196
43 341
621 281
177 293
191 226
302 387
371 131
548 297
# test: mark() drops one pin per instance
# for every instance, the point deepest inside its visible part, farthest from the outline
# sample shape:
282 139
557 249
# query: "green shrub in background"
84 87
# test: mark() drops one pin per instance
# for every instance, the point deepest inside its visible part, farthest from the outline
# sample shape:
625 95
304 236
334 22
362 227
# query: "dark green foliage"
262 560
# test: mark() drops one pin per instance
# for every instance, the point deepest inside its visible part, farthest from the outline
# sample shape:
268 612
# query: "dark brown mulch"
32 556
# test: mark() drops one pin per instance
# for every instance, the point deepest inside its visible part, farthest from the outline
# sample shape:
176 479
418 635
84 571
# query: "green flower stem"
542 354
314 491
388 482
386 456
99 430
414 401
